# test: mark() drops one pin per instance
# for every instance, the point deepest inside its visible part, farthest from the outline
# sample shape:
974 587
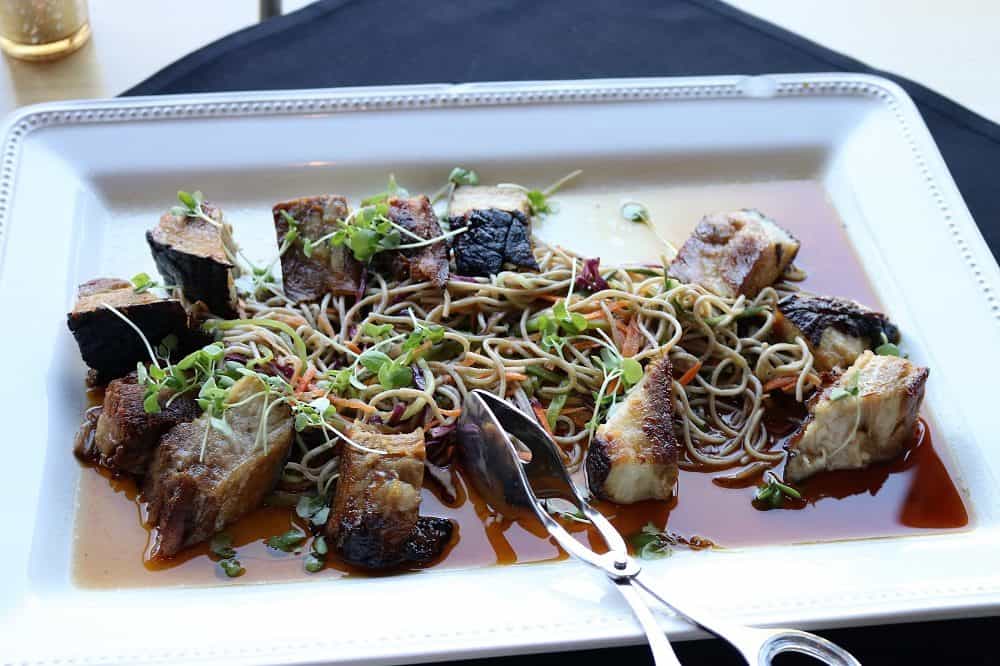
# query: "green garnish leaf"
142 282
232 567
151 404
670 283
377 331
552 413
540 372
222 546
888 349
462 176
287 542
373 360
839 393
538 203
633 211
309 505
394 376
313 563
772 494
319 545
631 371
651 543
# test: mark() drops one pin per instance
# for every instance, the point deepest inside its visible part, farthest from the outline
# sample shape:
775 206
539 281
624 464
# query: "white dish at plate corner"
80 181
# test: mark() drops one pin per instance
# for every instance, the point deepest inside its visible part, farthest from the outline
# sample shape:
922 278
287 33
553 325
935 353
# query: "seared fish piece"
634 454
194 255
126 436
848 431
468 198
328 269
374 520
109 345
499 229
837 329
429 262
190 498
735 253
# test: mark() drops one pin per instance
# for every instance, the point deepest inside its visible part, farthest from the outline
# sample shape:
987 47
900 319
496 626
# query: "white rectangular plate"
79 182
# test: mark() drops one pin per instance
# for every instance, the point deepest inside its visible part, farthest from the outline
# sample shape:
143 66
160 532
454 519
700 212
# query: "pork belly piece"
125 436
468 198
328 269
374 520
735 253
499 230
107 344
836 329
847 431
191 498
429 262
633 456
193 254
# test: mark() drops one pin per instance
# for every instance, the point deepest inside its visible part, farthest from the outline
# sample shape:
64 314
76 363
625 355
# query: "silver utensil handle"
759 646
659 645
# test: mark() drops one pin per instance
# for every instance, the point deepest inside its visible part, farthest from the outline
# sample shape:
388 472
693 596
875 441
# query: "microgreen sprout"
887 348
458 176
221 546
652 543
392 190
313 508
772 494
627 371
317 555
142 282
192 205
538 200
633 211
288 541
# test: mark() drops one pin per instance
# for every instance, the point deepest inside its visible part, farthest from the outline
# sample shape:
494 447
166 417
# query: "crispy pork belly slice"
837 329
126 436
499 230
194 255
735 253
844 431
468 198
374 521
328 269
191 498
427 263
107 344
634 454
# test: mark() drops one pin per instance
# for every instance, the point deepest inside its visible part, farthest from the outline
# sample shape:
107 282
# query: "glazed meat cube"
194 255
328 269
126 436
499 231
633 456
374 521
836 329
193 497
735 253
107 344
848 431
429 262
468 198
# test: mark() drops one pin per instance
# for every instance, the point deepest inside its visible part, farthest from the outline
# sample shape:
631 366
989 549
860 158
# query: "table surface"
948 47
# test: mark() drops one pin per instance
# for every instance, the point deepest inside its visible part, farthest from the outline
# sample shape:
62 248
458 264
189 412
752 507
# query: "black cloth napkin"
375 42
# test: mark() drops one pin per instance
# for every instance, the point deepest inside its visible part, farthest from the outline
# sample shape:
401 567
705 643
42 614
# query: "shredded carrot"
612 386
691 373
353 404
468 361
452 412
292 320
515 377
541 416
576 410
633 338
594 314
549 297
306 379
584 345
353 347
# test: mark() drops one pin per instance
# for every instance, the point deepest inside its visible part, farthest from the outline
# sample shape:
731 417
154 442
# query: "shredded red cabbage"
590 277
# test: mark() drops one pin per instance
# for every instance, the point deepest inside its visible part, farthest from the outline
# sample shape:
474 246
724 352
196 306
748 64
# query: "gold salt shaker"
43 29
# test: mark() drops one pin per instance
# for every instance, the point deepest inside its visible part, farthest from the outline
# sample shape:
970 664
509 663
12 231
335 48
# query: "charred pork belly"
498 229
109 345
735 253
190 496
836 329
867 415
193 254
429 262
374 521
125 436
327 269
633 456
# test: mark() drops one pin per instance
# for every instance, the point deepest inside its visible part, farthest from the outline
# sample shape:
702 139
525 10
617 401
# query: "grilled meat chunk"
192 497
374 521
836 329
109 345
126 436
633 456
194 255
735 253
848 431
468 198
328 269
499 232
429 262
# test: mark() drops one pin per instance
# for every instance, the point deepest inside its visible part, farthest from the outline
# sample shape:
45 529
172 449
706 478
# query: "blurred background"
947 46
